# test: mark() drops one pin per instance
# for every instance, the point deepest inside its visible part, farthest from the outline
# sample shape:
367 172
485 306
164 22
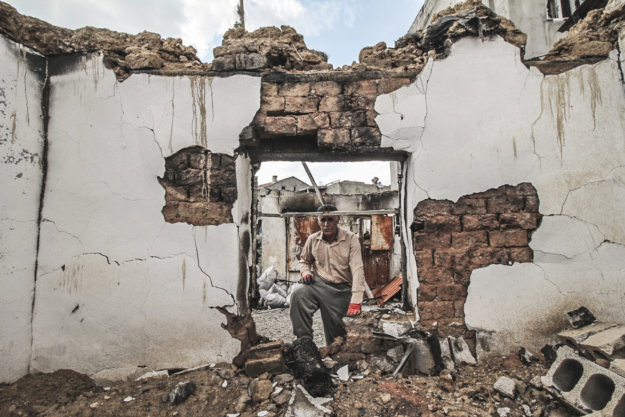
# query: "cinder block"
608 344
585 386
574 337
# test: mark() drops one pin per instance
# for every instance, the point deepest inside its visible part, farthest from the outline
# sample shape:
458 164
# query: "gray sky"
341 28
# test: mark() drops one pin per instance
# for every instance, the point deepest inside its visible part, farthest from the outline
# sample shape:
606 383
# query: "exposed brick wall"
200 187
339 114
453 239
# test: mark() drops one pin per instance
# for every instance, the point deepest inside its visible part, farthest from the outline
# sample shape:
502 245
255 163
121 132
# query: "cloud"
326 172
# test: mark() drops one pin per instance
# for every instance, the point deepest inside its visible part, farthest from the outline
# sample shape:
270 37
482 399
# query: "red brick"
367 136
268 89
508 238
309 123
433 207
521 254
365 87
424 241
442 224
470 206
281 126
454 327
294 89
531 204
332 104
388 85
505 204
326 88
435 275
464 277
455 259
341 119
363 102
481 257
528 221
364 118
424 258
301 104
429 325
272 104
474 239
480 222
522 189
426 293
435 310
459 306
451 292
328 137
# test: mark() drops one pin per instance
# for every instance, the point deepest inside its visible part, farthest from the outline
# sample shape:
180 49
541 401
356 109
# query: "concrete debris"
268 357
242 402
448 362
260 390
396 353
460 351
396 326
382 363
284 379
153 374
225 373
282 398
525 356
330 364
580 317
267 48
302 404
574 337
503 412
343 373
608 344
585 386
425 357
181 392
505 386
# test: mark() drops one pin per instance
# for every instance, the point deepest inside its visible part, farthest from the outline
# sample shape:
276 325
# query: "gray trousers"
333 301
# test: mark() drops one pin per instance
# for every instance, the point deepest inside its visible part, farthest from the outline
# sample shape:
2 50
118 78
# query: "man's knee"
299 293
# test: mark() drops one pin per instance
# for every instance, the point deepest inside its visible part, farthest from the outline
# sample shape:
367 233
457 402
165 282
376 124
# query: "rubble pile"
279 49
123 52
593 37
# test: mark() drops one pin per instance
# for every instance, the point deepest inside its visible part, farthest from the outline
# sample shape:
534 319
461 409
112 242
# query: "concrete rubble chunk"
525 356
146 60
505 386
425 360
181 392
225 373
382 363
260 390
448 362
153 374
396 354
618 367
302 404
573 337
283 379
461 352
394 328
283 397
268 357
343 373
608 344
503 412
580 317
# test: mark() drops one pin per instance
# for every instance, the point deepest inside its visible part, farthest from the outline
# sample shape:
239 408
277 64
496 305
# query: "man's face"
329 225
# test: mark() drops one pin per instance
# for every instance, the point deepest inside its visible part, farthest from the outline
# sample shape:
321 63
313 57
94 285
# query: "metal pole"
242 13
314 183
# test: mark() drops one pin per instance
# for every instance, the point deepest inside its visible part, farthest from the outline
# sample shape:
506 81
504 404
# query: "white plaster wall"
21 150
274 235
117 286
481 119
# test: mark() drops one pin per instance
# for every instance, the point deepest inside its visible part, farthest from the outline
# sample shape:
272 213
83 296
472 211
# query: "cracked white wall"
117 286
21 150
480 119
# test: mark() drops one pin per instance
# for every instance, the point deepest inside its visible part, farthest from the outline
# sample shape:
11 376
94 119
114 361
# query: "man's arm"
358 274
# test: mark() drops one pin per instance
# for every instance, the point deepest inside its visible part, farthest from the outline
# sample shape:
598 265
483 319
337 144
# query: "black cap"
327 208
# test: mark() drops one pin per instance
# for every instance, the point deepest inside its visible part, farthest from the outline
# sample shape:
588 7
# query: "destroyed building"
128 223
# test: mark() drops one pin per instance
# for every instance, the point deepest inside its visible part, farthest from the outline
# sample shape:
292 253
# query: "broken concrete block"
283 397
382 363
283 379
396 354
394 328
608 344
268 357
448 362
260 390
343 373
425 359
574 337
330 364
309 367
618 367
241 403
181 392
580 317
225 373
460 351
585 386
153 374
505 386
525 356
503 412
302 404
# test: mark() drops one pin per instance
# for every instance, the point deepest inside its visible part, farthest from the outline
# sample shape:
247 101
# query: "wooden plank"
336 213
381 233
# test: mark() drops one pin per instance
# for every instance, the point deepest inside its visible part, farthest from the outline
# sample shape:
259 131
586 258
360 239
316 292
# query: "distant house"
355 187
286 184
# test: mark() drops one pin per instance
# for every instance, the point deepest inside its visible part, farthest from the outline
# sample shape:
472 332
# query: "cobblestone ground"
276 325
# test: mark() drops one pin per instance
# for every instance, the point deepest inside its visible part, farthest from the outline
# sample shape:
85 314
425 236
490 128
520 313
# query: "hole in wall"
597 392
567 375
619 410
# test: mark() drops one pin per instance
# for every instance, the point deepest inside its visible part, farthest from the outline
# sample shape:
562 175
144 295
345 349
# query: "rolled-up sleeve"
356 267
306 259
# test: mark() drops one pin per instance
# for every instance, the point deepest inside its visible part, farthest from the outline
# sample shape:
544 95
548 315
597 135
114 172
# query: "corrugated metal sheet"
377 266
299 230
384 294
381 233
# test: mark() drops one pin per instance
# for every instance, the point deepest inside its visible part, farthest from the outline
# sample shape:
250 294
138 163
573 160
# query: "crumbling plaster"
22 75
117 286
480 119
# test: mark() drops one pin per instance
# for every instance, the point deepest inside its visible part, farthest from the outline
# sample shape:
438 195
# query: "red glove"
353 310
307 279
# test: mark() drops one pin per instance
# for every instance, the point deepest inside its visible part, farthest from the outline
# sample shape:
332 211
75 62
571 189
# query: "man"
332 277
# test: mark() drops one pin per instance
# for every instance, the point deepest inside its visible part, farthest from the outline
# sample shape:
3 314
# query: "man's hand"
353 310
307 279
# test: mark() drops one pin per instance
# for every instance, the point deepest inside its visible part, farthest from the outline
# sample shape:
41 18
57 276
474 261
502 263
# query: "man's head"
328 222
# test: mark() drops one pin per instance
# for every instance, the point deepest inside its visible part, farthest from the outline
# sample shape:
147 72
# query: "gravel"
275 324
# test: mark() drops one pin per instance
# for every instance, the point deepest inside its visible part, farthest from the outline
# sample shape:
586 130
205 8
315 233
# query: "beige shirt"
339 262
